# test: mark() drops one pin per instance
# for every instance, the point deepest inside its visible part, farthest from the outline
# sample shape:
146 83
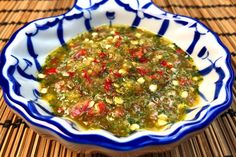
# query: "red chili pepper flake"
164 63
102 107
179 51
117 75
119 41
85 106
153 76
170 66
182 81
54 61
71 74
79 109
75 112
143 60
110 70
96 60
139 54
94 73
107 84
86 76
102 55
103 68
80 53
118 44
50 71
142 71
132 51
160 72
91 112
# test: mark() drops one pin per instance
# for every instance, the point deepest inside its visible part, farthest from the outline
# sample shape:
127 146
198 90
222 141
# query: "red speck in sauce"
80 53
102 107
75 112
117 75
107 84
142 71
117 44
90 112
102 55
86 76
179 51
71 74
143 60
50 71
160 72
164 63
182 81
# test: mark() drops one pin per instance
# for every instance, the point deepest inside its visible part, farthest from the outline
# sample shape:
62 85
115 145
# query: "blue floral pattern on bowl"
28 48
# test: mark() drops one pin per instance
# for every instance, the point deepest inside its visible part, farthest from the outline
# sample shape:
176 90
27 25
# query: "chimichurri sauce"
120 79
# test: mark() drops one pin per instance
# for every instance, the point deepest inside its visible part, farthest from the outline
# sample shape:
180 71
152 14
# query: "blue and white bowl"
26 51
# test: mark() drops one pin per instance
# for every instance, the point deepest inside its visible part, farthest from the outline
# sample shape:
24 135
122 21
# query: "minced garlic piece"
161 122
138 35
116 85
181 106
94 34
141 80
91 104
153 87
41 75
107 46
44 90
66 74
118 100
195 78
109 101
134 127
86 40
163 116
184 94
175 82
134 42
122 71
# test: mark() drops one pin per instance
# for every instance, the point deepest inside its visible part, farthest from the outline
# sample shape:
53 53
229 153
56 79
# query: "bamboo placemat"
219 139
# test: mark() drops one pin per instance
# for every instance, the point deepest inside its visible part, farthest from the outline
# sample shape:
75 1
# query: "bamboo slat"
219 139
